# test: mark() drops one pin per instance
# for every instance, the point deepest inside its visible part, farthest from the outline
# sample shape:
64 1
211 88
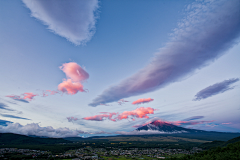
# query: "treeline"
16 139
230 152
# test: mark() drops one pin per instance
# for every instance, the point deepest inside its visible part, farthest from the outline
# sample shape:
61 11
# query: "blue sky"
125 47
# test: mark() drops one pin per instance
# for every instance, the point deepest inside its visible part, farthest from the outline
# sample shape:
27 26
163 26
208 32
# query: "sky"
97 67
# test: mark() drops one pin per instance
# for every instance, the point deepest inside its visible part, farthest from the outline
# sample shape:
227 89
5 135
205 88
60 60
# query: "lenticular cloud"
215 89
208 30
74 20
143 100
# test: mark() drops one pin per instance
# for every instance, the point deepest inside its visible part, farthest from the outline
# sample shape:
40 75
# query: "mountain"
165 127
10 138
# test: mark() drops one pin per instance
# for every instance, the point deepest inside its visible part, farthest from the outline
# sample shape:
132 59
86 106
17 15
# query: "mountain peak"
164 127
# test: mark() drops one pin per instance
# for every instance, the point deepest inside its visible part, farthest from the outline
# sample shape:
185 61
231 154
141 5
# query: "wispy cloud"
26 97
215 89
145 132
101 117
74 20
17 98
186 122
121 101
208 30
143 100
71 119
5 107
193 118
137 113
227 123
12 116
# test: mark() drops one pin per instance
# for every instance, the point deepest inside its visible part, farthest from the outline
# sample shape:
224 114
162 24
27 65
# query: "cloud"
227 123
101 117
75 74
144 132
69 87
17 98
143 100
181 123
101 132
188 121
74 71
71 119
215 89
4 123
121 101
5 107
26 96
47 92
29 96
35 129
74 20
137 113
208 30
52 92
193 118
12 116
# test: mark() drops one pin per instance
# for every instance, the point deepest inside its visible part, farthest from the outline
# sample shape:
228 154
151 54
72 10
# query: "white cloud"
145 132
75 20
35 129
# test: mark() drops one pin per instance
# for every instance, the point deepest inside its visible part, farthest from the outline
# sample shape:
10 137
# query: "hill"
10 138
215 144
231 151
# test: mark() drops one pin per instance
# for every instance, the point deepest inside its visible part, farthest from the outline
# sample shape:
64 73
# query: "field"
152 139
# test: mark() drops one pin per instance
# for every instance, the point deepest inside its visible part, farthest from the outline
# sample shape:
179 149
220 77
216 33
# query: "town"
99 153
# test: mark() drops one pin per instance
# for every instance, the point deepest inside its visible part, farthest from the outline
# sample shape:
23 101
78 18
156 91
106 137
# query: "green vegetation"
231 152
213 144
16 139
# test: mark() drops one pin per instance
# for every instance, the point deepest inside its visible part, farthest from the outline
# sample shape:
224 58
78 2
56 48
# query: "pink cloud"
14 97
101 117
143 100
69 87
52 92
29 96
26 96
137 113
227 123
177 123
74 71
75 75
71 119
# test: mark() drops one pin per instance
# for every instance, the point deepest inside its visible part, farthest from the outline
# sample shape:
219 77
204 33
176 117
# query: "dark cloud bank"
209 29
5 107
215 89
